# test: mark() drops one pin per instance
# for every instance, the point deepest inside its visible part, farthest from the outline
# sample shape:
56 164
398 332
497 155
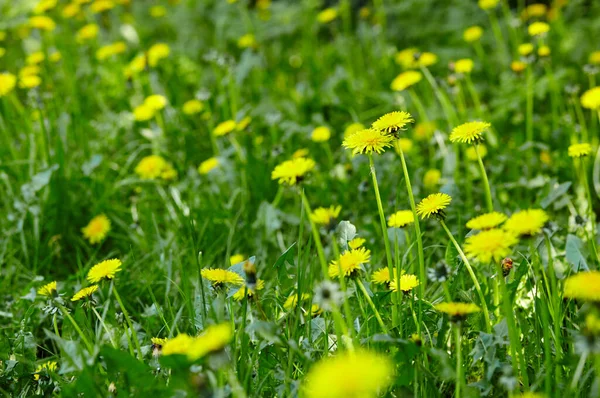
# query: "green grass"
69 149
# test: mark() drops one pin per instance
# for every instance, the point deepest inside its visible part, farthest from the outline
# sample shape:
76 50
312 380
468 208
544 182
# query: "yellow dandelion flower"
327 15
97 229
70 10
544 51
401 218
534 10
293 171
46 367
526 222
8 82
518 66
592 324
356 243
178 345
159 341
137 64
426 59
236 259
42 22
48 289
433 204
353 128
208 165
406 57
143 113
591 99
300 153
214 338
392 122
30 81
2 51
247 41
349 374
472 34
486 221
381 276
55 56
580 150
85 293
538 28
525 49
464 66
156 102
583 286
219 277
431 179
457 310
35 58
88 32
239 295
44 5
99 6
407 283
111 50
320 134
193 107
158 52
151 167
487 4
29 70
492 244
106 269
405 80
368 141
158 11
292 300
325 215
424 131
469 132
594 58
242 124
403 145
224 128
350 262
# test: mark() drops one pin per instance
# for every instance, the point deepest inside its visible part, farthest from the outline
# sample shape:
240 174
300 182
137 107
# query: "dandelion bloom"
543 51
85 293
392 122
591 99
208 165
156 102
534 10
469 132
219 277
224 128
143 113
137 64
99 6
153 167
46 367
292 171
403 145
381 276
158 52
538 28
193 107
526 222
406 57
434 204
239 295
42 22
213 339
97 229
325 215
247 41
349 262
158 11
368 141
236 259
492 244
70 10
579 150
594 58
88 32
583 286
292 300
486 221
106 269
401 219
525 49
320 134
327 15
349 374
356 243
353 128
487 4
472 34
8 82
432 178
471 152
518 66
592 324
110 50
405 80
159 341
425 59
457 310
35 58
29 81
464 66
48 289
407 283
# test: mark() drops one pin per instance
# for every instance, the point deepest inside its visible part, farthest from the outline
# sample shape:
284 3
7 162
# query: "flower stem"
128 320
368 298
459 373
486 182
484 307
110 336
316 236
65 312
591 215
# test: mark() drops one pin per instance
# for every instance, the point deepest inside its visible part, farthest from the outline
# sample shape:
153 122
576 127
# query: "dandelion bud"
507 265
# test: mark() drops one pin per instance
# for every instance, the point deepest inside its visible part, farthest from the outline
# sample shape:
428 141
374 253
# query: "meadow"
256 198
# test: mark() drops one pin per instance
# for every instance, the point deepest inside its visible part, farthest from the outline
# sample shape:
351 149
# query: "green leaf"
555 193
574 255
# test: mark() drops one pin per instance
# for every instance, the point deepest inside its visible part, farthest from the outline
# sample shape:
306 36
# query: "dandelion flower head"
407 283
48 289
401 219
320 134
368 141
492 244
589 100
219 277
579 150
106 269
97 229
350 262
392 122
325 215
526 222
84 293
583 286
208 165
469 132
538 28
486 221
433 204
405 80
292 171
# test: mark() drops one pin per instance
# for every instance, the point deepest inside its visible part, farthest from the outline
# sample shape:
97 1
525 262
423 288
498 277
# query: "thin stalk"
87 343
459 372
529 104
591 215
488 191
473 277
371 304
110 336
128 320
316 236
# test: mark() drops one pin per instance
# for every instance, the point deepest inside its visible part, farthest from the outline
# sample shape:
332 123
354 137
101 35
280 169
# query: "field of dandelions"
299 198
